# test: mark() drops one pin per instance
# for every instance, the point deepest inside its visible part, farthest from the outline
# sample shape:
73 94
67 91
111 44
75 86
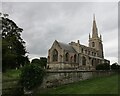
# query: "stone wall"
56 78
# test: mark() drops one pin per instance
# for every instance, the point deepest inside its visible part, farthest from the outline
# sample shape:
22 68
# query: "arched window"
55 55
88 52
75 58
92 62
67 56
93 44
82 50
100 44
48 58
71 59
92 53
83 60
85 51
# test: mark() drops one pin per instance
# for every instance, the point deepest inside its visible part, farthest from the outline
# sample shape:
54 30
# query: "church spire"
94 28
95 41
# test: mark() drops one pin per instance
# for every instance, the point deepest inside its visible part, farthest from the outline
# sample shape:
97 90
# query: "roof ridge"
66 47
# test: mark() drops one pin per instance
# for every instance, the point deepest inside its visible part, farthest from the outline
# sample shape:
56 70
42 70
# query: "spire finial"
94 29
94 16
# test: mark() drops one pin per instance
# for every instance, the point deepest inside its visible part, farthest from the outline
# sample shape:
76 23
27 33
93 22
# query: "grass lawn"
9 78
101 85
9 81
11 74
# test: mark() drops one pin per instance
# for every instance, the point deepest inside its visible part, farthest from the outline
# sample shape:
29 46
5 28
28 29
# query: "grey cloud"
45 22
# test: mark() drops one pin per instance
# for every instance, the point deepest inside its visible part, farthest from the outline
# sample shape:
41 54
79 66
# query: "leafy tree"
36 61
13 46
31 76
42 62
104 66
115 66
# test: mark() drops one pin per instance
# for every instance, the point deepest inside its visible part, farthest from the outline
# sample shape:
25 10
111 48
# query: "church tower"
95 41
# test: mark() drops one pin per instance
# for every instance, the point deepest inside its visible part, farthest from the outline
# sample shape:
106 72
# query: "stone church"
77 56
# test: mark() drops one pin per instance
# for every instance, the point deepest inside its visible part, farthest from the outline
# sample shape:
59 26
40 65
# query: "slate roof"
67 47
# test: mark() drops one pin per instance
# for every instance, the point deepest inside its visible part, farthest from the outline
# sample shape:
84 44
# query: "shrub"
115 66
104 66
31 76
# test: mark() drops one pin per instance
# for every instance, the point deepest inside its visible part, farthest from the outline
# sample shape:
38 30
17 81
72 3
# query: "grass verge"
100 85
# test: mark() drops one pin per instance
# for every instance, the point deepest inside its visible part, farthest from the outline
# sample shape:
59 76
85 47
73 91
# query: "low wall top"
72 71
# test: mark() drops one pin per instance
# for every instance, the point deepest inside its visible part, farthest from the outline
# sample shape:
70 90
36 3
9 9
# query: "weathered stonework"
56 78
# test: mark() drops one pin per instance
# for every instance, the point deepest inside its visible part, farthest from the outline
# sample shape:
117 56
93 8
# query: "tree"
115 66
104 66
36 61
42 62
31 76
13 46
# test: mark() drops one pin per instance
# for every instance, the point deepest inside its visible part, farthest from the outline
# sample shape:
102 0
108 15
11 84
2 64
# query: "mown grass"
100 85
11 74
10 78
10 82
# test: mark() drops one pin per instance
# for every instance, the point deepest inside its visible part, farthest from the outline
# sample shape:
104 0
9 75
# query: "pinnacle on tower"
100 36
89 35
94 28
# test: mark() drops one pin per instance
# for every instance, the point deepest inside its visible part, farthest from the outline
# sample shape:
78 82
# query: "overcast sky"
45 22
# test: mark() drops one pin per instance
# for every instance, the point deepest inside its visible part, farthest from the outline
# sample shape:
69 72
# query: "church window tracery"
55 55
88 52
82 50
71 59
92 62
93 44
67 56
83 60
75 58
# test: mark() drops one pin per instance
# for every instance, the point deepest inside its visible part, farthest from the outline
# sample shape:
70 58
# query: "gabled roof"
67 47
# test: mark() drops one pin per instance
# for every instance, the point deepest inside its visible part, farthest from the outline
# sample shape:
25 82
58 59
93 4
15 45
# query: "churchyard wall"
55 78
